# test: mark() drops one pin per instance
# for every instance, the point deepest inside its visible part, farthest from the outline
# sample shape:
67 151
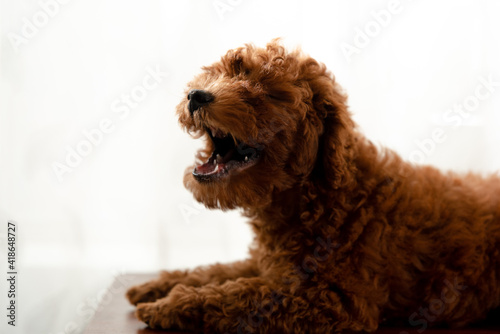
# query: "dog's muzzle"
198 98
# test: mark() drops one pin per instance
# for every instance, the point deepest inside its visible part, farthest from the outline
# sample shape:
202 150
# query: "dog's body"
347 236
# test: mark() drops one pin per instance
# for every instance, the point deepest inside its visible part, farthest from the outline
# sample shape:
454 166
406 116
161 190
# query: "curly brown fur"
347 235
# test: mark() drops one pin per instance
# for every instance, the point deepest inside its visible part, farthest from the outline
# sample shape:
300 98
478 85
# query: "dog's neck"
305 206
300 208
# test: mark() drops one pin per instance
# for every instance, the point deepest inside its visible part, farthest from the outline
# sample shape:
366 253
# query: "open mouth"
229 155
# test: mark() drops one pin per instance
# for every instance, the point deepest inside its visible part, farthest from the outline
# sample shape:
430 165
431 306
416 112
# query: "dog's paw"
181 310
156 289
146 312
144 293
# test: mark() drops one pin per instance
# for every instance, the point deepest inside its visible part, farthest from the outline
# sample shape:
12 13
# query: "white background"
123 208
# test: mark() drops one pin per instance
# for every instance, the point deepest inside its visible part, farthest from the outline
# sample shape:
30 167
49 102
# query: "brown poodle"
348 236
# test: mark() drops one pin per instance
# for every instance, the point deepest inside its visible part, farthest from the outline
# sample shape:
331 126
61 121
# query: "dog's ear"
336 140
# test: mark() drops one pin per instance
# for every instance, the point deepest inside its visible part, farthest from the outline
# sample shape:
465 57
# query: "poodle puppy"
347 235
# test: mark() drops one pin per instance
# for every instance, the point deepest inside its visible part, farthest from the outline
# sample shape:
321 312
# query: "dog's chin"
240 187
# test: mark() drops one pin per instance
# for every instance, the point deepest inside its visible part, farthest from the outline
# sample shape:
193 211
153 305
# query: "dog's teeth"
214 162
218 158
246 158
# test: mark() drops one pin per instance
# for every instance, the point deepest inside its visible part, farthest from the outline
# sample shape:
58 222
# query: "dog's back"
448 231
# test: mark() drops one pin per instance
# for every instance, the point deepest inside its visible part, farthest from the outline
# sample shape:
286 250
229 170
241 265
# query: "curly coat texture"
347 235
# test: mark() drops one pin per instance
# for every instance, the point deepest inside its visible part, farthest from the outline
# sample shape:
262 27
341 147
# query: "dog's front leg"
213 308
248 305
217 273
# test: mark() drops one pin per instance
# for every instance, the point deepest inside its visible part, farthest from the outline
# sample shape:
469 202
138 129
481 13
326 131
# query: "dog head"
271 120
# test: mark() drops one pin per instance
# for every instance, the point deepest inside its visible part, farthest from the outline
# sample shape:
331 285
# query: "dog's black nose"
198 98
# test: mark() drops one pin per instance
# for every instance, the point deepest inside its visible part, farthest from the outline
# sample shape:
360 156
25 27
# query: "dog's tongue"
209 168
